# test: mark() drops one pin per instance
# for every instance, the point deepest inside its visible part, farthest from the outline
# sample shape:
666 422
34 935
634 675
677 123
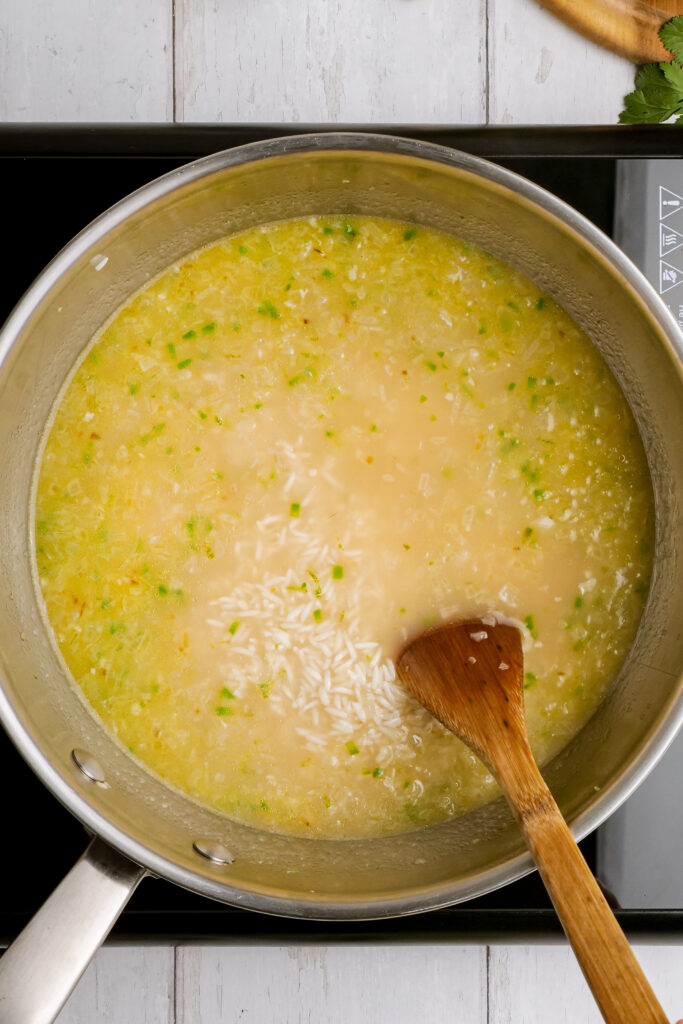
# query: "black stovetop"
56 179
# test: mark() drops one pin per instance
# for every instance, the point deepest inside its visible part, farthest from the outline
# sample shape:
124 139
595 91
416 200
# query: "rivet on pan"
91 768
215 852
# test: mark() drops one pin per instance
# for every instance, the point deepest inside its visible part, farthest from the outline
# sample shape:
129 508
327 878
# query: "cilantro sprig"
658 95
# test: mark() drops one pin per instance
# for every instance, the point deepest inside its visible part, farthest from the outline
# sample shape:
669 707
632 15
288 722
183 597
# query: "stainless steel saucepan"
139 824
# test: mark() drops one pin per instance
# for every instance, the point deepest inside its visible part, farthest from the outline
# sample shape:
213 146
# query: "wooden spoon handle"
614 975
469 675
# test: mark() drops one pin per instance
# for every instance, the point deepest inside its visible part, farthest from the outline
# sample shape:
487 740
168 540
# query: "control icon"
669 239
669 277
669 202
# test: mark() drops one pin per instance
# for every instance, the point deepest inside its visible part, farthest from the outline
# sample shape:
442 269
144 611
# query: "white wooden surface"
430 61
541 72
439 984
381 61
84 60
336 60
331 985
543 985
126 985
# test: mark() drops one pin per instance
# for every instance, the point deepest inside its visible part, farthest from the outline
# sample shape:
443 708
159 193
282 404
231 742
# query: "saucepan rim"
670 718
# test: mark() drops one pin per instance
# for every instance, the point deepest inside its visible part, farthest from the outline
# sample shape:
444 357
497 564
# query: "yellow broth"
295 449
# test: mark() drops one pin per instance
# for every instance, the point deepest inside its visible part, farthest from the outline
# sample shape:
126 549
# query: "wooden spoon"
469 675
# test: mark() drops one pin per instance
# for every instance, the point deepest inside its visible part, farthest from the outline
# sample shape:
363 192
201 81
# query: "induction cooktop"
629 182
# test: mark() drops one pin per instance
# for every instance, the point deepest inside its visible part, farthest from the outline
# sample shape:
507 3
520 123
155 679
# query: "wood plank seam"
487 57
488 970
174 77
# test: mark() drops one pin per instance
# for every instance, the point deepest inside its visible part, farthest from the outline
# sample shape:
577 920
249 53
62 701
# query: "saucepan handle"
41 967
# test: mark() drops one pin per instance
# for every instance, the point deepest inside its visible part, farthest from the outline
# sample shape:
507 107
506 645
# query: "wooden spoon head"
469 675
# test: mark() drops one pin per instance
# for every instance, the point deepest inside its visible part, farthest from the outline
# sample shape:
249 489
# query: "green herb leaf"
659 87
674 75
655 99
268 309
505 321
352 748
530 625
671 35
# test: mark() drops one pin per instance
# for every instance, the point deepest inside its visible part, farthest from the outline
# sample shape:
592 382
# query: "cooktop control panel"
639 847
648 224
